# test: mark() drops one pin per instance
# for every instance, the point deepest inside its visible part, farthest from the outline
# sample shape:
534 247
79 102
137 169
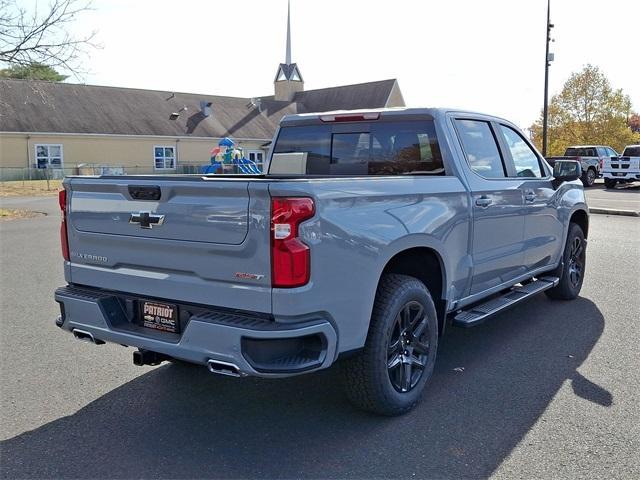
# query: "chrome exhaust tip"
223 368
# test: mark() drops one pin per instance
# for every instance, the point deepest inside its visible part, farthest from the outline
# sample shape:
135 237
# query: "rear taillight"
64 239
290 257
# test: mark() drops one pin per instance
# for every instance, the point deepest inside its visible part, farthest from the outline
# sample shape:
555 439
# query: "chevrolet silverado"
369 235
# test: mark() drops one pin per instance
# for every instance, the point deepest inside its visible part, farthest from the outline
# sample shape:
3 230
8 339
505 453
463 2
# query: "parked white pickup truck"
622 169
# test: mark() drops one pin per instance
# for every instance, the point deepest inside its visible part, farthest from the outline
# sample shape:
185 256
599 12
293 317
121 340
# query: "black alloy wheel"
571 270
408 347
576 261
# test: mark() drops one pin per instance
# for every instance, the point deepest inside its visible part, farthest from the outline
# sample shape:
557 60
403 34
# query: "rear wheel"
571 272
609 183
389 376
589 177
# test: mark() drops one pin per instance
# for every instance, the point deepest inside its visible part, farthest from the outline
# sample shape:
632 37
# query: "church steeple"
288 56
288 79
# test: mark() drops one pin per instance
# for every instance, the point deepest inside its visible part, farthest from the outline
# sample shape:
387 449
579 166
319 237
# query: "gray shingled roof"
351 97
37 106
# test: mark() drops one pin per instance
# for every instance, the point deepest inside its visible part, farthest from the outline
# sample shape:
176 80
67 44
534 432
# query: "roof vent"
205 108
176 115
255 103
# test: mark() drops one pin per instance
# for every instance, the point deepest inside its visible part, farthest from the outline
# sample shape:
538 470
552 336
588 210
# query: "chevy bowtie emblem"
146 219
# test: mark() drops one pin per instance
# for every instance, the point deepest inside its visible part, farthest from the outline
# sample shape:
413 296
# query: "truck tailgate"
184 240
622 165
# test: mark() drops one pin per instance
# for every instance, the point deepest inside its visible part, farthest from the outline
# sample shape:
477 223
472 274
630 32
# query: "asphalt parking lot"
546 390
623 197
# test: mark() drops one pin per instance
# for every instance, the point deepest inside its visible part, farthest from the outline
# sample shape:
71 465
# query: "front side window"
49 156
481 148
525 159
164 157
364 148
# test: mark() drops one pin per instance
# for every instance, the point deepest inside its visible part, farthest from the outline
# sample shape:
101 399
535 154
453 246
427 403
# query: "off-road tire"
367 376
609 183
568 288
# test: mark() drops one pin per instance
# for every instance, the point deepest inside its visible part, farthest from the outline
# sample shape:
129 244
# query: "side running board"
477 314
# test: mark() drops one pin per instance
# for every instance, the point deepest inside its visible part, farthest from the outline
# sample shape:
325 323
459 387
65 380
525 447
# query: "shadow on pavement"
182 422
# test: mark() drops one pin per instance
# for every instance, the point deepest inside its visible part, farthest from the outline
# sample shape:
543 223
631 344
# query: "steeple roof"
288 72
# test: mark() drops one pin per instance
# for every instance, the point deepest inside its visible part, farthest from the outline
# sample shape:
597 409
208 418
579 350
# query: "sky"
484 55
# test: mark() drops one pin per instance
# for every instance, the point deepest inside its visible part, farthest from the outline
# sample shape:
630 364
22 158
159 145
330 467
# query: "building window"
48 155
164 157
257 157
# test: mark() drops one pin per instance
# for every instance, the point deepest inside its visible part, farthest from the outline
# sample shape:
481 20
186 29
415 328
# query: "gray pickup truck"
591 158
369 235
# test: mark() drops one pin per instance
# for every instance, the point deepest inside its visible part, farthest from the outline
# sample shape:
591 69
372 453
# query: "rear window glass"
581 152
631 152
363 148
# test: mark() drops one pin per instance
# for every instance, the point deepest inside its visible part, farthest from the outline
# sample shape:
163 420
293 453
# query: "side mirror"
566 171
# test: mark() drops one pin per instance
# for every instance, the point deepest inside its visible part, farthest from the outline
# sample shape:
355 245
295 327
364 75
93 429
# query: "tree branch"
43 38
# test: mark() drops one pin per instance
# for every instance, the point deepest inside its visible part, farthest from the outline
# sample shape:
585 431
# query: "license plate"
159 316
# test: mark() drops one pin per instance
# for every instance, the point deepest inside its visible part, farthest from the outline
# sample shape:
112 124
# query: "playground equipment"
228 158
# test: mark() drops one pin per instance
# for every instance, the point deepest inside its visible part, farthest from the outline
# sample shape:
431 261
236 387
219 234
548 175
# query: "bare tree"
42 36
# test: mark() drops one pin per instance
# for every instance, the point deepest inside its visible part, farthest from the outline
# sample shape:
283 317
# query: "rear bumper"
622 175
257 346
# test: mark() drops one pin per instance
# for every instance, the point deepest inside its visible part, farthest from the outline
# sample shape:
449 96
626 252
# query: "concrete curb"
611 211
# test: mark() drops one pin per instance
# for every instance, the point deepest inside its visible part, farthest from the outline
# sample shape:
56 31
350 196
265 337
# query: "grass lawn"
29 188
11 214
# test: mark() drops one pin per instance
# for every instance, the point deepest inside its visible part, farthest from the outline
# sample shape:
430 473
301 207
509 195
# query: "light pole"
548 58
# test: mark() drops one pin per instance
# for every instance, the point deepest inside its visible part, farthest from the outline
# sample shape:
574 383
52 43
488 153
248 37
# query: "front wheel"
389 376
571 271
609 183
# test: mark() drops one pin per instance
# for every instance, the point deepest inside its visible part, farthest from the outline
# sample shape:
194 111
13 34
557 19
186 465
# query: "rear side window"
481 148
524 158
362 148
631 152
580 152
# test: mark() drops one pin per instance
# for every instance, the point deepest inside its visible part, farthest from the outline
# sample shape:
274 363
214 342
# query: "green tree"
33 71
587 111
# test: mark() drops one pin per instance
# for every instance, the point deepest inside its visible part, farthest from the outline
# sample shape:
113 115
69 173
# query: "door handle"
483 201
529 196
